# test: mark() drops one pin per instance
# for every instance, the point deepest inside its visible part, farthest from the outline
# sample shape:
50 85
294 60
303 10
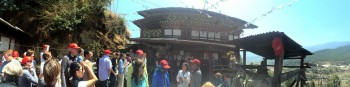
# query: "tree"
334 81
58 22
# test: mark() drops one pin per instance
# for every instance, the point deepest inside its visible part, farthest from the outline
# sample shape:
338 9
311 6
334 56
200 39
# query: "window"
217 36
195 34
203 35
216 56
176 32
236 36
167 31
211 35
230 37
172 33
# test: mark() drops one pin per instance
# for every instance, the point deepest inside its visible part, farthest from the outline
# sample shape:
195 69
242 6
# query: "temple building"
180 34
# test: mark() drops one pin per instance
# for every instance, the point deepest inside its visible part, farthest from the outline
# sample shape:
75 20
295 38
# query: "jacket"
160 79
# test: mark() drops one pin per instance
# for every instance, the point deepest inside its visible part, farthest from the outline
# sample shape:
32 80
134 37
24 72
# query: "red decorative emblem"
277 46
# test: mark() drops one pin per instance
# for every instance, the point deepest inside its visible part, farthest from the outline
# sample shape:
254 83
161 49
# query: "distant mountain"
333 52
331 45
252 58
340 55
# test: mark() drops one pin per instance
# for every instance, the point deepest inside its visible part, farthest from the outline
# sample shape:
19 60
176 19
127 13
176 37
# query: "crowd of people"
76 69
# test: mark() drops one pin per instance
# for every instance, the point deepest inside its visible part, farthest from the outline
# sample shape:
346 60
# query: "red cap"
15 54
196 61
165 64
74 46
139 52
107 51
26 59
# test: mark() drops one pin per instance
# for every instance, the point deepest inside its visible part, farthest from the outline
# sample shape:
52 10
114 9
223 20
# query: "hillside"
330 45
340 55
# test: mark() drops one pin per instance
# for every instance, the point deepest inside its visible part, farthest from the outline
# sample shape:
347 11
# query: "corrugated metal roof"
261 44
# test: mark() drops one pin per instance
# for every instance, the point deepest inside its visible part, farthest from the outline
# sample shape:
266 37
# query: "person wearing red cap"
161 75
15 55
105 68
30 53
29 76
196 78
141 56
71 57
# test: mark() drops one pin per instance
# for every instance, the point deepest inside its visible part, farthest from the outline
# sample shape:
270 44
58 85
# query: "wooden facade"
184 33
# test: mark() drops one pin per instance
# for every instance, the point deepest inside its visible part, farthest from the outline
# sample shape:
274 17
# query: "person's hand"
180 80
144 55
115 74
84 65
31 69
41 75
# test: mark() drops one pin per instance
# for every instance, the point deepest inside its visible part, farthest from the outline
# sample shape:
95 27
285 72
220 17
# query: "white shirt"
42 66
104 64
186 77
41 57
82 84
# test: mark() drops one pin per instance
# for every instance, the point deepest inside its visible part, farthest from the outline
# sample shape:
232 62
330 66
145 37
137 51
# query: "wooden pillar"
277 45
210 58
244 63
303 73
278 71
298 84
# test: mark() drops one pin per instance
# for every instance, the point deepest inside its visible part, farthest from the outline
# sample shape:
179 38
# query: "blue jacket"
28 78
160 79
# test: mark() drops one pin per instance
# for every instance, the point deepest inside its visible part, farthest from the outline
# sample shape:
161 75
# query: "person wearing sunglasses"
29 77
77 71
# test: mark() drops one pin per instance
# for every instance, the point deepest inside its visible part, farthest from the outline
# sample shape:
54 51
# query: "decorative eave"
160 12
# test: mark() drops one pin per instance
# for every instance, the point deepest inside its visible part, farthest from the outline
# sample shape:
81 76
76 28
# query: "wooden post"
277 45
303 73
210 58
297 85
278 71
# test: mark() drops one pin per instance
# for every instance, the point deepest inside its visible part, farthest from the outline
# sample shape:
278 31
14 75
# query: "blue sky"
308 22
